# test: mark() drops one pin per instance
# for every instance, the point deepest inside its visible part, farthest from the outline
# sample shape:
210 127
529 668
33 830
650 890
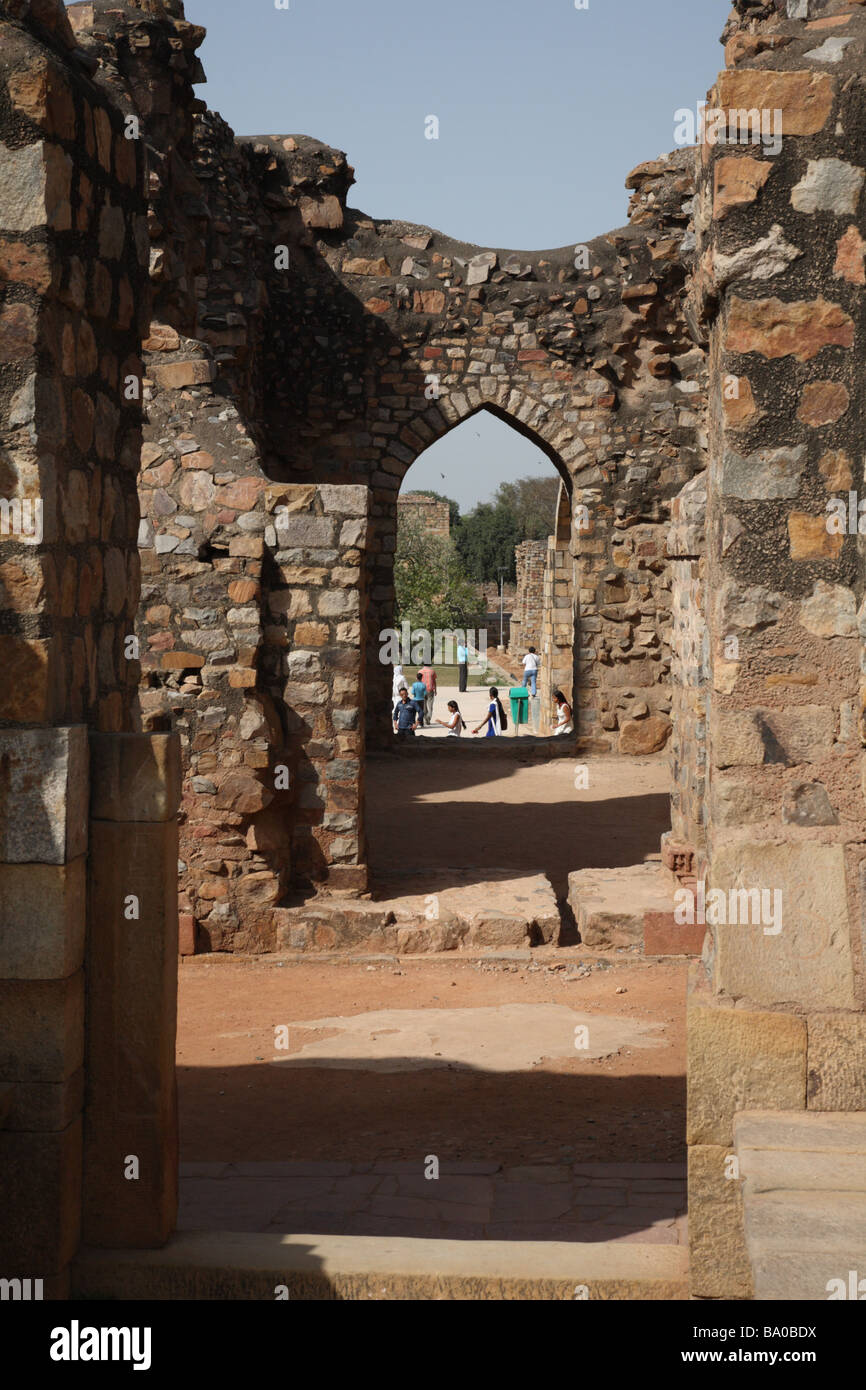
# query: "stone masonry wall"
526 617
776 1009
88 834
433 518
293 340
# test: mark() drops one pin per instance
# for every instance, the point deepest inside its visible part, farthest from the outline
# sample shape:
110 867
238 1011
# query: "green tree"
532 501
431 586
486 541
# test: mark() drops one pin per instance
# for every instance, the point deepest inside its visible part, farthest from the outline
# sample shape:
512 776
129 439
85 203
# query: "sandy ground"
503 1083
240 1101
488 811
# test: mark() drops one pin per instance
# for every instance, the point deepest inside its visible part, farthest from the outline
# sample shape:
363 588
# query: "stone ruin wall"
526 617
88 805
243 652
606 379
432 517
776 1021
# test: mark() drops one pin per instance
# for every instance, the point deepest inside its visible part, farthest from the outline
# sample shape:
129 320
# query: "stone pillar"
130 1137
319 535
776 1008
43 848
689 678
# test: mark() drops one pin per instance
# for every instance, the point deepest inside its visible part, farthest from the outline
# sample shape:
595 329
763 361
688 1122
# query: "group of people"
413 705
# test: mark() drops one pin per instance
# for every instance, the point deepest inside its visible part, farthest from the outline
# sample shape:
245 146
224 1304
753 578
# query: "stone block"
718 1260
172 376
26 695
42 920
40 1106
134 777
40 1178
740 1059
43 795
802 956
42 1037
131 1025
664 936
836 1061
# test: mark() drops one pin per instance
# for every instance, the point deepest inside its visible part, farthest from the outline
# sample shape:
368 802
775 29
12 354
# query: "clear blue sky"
543 110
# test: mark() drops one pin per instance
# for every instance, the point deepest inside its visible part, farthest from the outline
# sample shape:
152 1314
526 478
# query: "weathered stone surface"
39 1232
641 736
836 1060
798 328
131 1022
42 909
804 953
823 403
739 1058
809 538
766 474
830 612
43 1028
44 785
738 181
718 1260
829 185
805 98
135 777
807 803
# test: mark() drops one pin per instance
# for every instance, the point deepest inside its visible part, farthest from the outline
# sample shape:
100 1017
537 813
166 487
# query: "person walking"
564 717
455 723
496 719
398 682
530 672
405 715
462 666
428 676
419 695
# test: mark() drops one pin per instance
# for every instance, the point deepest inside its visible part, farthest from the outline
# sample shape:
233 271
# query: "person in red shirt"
428 676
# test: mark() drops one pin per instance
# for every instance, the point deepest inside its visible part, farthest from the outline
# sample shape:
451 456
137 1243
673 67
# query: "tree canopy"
432 589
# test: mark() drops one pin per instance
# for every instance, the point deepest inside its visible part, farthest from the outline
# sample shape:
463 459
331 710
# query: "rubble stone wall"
526 616
88 805
776 1016
432 517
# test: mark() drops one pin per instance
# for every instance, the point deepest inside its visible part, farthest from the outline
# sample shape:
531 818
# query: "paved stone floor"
636 1202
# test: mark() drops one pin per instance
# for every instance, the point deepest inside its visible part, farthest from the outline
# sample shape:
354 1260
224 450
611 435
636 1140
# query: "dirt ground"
240 1101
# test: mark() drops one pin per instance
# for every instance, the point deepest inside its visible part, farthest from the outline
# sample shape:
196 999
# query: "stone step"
630 907
804 1201
232 1265
420 912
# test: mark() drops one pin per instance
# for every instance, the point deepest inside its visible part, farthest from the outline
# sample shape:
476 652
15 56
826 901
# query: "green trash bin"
519 697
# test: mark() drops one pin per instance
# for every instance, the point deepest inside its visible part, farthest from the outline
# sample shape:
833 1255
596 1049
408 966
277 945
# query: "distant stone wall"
527 614
431 516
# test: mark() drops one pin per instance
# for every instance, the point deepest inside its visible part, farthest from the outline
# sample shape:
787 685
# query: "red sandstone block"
532 355
662 936
186 934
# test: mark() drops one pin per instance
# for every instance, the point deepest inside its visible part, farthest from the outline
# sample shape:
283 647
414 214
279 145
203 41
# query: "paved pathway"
636 1202
474 704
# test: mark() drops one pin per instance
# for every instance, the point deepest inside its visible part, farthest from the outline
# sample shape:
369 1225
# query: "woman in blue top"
495 716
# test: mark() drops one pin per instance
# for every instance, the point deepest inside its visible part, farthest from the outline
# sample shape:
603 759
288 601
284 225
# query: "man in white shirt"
530 672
